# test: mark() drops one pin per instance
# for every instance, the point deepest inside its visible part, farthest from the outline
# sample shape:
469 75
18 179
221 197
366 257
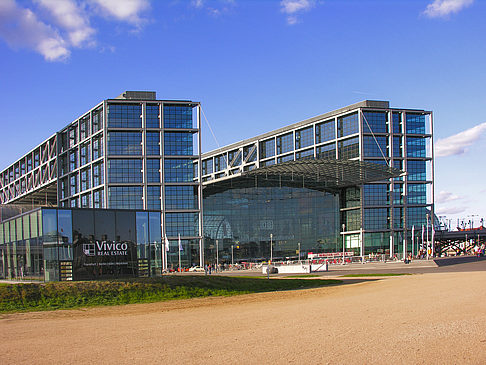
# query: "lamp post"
344 241
427 216
298 243
232 256
271 247
217 255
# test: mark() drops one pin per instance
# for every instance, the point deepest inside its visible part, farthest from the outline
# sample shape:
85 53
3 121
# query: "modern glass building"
133 152
365 215
99 198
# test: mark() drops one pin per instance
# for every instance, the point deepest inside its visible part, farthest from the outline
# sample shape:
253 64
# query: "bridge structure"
460 242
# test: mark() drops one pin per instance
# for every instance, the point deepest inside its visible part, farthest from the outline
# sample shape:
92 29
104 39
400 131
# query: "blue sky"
256 65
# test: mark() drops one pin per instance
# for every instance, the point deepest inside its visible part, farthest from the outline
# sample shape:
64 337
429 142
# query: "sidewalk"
379 265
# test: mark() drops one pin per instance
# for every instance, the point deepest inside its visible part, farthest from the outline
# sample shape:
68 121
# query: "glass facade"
242 219
81 244
372 132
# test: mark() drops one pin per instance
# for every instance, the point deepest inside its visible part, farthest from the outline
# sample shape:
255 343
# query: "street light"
427 216
232 256
271 247
217 255
344 241
298 243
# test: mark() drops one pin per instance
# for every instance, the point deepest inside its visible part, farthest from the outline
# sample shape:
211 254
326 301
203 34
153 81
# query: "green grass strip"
377 274
66 295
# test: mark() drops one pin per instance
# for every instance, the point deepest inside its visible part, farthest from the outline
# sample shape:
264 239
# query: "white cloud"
445 196
458 143
69 16
449 210
443 8
197 3
129 11
294 7
21 28
214 7
57 26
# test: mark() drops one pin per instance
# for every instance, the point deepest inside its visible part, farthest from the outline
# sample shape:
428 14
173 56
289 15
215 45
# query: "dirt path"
425 319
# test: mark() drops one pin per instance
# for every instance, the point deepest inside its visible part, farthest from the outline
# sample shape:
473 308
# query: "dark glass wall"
242 220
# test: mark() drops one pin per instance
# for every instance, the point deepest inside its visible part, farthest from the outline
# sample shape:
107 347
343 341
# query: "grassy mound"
64 295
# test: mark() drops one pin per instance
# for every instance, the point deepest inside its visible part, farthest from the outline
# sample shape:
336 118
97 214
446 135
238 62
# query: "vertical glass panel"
375 146
124 143
18 222
153 171
177 116
285 143
104 227
327 151
304 137
26 226
415 147
153 197
180 197
397 147
180 170
65 226
207 166
152 116
375 194
125 171
178 144
417 193
325 131
142 234
153 143
125 197
348 148
397 122
267 148
377 121
348 125
416 170
124 115
415 123
376 218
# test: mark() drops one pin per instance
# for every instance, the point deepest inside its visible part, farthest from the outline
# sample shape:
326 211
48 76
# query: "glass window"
348 148
177 116
179 170
85 154
327 151
98 174
85 179
416 170
219 163
348 125
84 127
125 197
267 148
325 131
397 218
65 226
153 143
285 158
152 116
124 115
376 218
125 171
234 158
398 194
397 122
99 198
375 148
178 144
250 153
304 155
375 194
185 224
397 147
207 166
417 216
49 225
153 197
352 197
285 143
417 193
415 123
153 170
415 147
97 120
352 219
97 147
124 143
180 197
377 121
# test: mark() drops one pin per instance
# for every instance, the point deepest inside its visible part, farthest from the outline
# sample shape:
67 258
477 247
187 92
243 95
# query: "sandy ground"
434 318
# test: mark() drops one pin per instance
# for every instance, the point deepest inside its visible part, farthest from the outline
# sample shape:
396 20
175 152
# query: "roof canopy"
320 174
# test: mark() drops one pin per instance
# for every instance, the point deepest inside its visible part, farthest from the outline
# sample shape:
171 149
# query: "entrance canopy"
319 174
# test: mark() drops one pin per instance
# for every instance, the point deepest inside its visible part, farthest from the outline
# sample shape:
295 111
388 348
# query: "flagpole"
180 246
166 249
